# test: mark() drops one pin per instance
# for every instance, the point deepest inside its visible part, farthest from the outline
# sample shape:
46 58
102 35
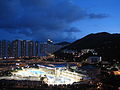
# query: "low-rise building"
94 59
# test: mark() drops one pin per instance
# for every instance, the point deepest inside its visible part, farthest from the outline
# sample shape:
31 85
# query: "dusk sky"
59 20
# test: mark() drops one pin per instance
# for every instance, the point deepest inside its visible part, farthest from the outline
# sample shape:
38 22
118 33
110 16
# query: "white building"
93 59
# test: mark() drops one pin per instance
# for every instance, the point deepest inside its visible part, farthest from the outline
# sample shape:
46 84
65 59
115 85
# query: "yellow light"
117 72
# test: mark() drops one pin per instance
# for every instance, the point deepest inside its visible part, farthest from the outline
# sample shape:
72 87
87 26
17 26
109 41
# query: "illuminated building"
43 48
36 49
53 74
3 49
16 48
93 59
47 49
23 48
116 72
27 48
9 50
49 41
30 48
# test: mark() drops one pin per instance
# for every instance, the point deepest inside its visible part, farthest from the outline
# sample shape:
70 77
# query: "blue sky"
59 20
109 7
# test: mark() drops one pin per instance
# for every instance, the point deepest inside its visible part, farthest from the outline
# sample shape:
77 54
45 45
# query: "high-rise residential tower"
23 48
16 48
30 48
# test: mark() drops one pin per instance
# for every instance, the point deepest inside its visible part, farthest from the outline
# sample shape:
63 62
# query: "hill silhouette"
107 45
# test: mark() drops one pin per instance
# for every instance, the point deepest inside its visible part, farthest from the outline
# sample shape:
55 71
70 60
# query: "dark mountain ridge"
94 41
107 45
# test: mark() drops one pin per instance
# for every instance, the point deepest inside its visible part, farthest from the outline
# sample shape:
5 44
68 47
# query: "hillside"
107 45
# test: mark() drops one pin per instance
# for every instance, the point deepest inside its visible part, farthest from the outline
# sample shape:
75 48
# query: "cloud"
41 19
97 16
73 30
